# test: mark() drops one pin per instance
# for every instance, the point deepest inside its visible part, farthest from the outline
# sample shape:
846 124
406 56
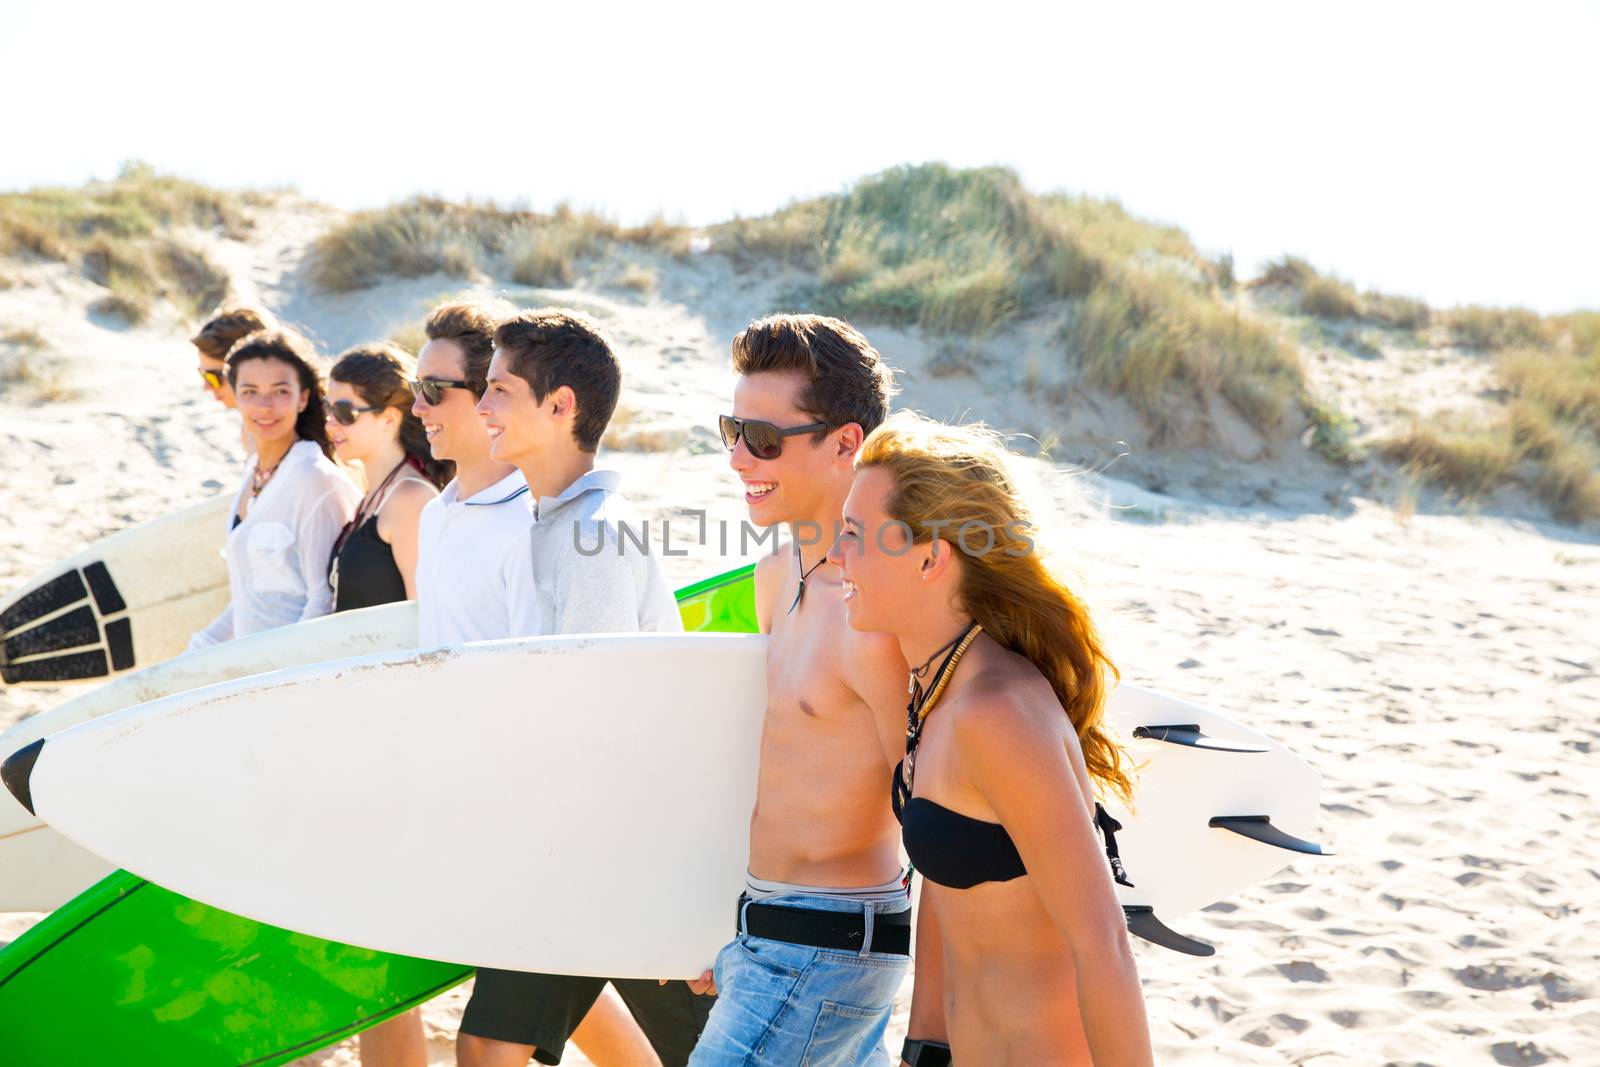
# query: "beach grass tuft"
426 235
125 234
26 362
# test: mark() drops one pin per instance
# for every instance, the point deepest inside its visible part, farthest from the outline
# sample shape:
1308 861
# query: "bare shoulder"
772 573
871 654
408 498
412 495
1008 711
405 503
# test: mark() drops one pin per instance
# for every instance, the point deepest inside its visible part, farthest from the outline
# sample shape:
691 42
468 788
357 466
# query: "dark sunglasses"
214 378
432 390
344 412
764 440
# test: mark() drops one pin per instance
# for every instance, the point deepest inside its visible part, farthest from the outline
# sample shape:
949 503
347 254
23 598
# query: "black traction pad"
106 596
52 596
57 668
75 629
119 635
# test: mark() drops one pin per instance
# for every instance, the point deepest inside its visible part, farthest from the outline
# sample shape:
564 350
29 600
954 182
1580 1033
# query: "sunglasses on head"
214 378
431 390
344 412
764 440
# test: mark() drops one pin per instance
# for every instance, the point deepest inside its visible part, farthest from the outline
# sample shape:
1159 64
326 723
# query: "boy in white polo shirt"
473 523
552 387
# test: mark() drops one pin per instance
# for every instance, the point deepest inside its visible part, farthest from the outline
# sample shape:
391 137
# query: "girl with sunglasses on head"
293 501
1006 751
225 328
370 422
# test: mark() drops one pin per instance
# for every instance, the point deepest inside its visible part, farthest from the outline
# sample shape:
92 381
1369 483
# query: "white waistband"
890 892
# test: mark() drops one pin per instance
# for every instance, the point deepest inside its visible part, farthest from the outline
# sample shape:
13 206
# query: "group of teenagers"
465 478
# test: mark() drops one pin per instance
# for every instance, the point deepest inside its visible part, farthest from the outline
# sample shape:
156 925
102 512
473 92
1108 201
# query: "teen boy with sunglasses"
479 516
552 388
823 937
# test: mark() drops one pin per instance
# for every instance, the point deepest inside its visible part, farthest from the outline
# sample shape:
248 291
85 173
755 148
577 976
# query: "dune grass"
426 235
952 251
965 252
1141 334
119 234
1325 296
1399 312
637 278
26 362
1547 437
958 254
1470 461
1489 328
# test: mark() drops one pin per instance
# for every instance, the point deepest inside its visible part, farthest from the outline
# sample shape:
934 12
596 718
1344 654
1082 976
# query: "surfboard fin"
1188 734
16 771
1260 828
1142 922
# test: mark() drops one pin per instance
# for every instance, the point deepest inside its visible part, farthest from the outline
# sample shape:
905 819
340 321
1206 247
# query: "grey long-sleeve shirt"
584 571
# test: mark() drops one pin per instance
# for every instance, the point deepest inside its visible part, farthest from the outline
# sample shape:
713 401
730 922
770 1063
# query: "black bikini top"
952 849
959 852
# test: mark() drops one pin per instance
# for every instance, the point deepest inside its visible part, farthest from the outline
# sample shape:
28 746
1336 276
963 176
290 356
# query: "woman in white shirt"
293 501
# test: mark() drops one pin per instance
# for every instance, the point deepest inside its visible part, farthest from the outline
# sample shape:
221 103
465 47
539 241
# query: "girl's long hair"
381 373
955 482
291 348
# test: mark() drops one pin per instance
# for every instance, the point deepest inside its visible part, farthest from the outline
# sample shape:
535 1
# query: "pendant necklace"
804 574
260 478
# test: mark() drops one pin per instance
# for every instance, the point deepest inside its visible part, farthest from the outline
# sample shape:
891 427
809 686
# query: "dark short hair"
470 327
846 380
225 327
553 347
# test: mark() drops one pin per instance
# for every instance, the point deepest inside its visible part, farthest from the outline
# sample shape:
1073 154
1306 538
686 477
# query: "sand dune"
1442 673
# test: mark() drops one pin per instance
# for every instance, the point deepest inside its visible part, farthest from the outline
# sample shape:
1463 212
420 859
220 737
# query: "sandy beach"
1441 670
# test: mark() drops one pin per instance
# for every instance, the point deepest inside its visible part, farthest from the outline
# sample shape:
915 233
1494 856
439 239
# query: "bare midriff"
1010 987
822 814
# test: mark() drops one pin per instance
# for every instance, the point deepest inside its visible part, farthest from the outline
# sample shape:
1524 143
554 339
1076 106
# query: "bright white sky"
1446 150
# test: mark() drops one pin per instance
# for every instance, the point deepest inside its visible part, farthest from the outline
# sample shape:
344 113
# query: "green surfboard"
131 973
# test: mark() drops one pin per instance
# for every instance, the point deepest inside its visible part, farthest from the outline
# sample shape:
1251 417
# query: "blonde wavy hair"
956 482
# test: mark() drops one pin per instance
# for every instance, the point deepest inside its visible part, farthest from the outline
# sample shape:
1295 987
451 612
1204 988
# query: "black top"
366 570
951 849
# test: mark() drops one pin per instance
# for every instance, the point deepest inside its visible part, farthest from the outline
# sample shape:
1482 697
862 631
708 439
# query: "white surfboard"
1218 807
125 602
611 778
39 869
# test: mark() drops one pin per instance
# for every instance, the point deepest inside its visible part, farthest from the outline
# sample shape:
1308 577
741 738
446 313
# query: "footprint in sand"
1516 1053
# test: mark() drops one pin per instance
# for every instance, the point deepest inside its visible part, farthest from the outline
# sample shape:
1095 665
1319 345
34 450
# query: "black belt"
845 931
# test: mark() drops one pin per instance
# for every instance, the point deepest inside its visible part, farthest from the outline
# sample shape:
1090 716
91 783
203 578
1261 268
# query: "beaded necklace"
921 704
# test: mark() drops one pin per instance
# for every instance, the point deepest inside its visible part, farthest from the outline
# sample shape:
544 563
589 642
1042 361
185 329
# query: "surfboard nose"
16 771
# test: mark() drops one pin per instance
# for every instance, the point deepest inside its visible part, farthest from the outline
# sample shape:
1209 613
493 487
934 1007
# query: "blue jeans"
784 1005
